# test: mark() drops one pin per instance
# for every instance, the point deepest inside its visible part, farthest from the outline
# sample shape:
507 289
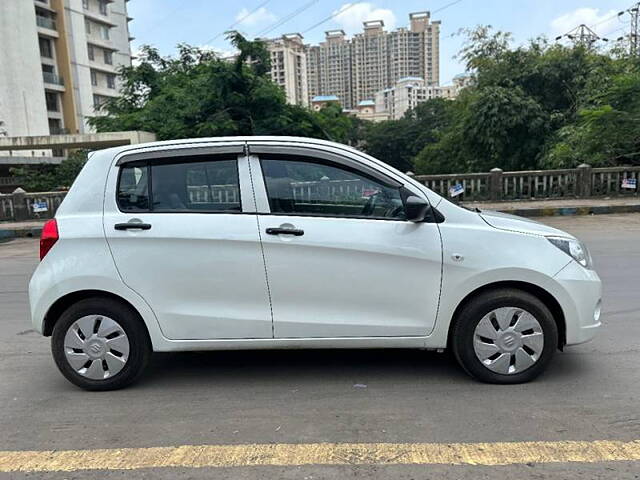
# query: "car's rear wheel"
504 336
100 344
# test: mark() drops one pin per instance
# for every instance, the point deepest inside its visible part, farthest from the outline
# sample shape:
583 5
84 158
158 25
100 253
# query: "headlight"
574 249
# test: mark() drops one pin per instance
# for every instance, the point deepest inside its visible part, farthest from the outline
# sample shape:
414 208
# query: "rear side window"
184 185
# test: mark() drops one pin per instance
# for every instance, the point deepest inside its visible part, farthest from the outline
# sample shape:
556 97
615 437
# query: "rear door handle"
285 231
132 226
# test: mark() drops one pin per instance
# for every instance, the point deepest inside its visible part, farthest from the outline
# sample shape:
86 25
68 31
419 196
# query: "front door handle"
285 231
132 226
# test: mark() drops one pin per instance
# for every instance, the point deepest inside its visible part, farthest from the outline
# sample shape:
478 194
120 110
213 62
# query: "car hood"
513 223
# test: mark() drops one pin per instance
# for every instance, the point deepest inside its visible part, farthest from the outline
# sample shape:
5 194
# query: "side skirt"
295 343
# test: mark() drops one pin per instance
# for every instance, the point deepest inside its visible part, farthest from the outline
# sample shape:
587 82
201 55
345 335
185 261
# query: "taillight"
49 237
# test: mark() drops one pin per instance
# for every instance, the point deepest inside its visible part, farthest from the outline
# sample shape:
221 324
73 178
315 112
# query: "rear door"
182 228
341 259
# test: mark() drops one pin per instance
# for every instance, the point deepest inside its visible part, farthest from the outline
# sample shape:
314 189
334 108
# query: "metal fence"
495 185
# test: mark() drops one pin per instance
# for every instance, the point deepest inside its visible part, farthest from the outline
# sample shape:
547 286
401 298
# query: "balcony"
52 79
45 22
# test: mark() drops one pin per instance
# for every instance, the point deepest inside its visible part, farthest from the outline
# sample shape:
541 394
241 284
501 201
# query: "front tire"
100 344
504 336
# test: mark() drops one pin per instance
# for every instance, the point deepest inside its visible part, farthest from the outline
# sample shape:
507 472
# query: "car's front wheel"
504 336
100 344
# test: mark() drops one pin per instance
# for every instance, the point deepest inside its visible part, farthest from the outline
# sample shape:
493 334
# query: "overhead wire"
287 18
238 21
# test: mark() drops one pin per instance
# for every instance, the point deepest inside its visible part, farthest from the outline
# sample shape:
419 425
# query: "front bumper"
581 303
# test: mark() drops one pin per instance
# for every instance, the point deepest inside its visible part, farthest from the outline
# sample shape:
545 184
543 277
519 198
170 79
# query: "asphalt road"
590 392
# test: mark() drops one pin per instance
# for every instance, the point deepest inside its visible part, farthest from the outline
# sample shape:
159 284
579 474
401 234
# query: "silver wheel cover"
96 347
508 340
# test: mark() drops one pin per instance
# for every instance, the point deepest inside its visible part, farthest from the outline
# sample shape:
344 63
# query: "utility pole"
583 36
634 33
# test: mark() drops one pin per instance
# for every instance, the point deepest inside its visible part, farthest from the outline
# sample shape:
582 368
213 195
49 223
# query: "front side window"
306 186
186 185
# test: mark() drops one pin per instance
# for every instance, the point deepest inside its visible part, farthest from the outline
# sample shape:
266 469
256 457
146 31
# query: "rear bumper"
581 303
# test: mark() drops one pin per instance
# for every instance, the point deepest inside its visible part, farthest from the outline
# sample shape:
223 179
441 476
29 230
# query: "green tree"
397 142
540 105
607 132
44 178
198 94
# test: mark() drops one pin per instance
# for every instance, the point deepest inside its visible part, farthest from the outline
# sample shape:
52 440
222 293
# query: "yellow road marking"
199 456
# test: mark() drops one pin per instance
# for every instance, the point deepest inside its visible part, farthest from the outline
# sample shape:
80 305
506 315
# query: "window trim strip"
160 155
309 152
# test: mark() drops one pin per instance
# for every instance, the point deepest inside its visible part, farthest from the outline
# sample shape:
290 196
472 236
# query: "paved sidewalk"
9 230
552 207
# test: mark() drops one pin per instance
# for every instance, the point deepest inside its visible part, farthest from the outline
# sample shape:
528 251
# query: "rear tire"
100 344
504 336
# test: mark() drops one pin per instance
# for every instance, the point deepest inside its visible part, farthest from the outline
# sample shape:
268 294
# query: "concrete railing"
497 185
30 206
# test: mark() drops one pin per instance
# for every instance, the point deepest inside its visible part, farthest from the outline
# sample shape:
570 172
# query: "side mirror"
416 208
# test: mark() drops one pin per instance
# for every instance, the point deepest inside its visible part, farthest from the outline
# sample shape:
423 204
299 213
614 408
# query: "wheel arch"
543 295
64 302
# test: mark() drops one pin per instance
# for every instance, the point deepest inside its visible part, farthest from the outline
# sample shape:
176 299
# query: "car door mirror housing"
416 208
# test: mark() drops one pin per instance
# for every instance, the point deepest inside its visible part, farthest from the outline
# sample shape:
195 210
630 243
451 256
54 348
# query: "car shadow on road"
312 366
300 365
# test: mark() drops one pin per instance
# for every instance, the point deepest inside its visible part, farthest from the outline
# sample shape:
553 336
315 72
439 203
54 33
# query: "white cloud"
221 52
601 23
259 17
351 16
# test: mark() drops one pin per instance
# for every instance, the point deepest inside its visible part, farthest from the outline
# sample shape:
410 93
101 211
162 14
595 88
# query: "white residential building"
58 60
355 69
407 93
289 67
329 68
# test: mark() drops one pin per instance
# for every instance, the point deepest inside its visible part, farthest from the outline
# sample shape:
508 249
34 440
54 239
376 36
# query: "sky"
165 23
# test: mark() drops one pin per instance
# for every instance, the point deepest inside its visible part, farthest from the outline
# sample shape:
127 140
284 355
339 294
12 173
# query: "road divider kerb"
251 455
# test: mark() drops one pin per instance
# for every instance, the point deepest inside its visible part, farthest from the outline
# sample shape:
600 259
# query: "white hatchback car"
282 242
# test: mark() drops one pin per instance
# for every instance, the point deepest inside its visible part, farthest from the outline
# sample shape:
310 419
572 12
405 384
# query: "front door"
341 259
197 259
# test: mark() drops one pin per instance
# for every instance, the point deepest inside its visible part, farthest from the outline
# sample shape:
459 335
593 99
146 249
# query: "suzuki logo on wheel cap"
509 340
95 348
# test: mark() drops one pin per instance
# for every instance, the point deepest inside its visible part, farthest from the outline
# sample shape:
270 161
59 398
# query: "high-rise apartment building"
58 61
355 69
329 67
289 67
